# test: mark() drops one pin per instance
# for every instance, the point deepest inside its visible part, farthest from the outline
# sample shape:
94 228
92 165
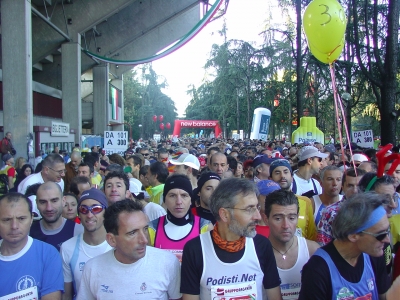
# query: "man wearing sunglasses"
231 258
53 169
132 270
310 160
78 250
351 265
53 228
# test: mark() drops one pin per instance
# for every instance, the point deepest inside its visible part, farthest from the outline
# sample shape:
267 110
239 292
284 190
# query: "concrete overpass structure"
46 76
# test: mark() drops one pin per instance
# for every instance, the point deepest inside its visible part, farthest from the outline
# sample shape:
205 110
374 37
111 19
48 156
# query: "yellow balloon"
324 23
327 58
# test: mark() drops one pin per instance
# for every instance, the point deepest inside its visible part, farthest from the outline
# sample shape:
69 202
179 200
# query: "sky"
244 20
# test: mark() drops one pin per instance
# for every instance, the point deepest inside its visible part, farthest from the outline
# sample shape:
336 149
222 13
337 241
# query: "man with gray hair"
351 266
53 169
331 183
232 260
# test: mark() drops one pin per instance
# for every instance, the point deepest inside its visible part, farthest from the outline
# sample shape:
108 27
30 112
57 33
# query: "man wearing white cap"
78 250
151 209
187 164
310 160
358 158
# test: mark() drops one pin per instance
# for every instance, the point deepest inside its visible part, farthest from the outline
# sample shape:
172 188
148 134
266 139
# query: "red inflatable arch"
197 124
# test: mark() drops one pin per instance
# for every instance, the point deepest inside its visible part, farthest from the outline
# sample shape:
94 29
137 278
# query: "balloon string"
336 101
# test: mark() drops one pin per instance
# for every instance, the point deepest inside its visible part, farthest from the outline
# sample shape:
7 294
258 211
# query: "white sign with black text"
59 129
363 138
116 140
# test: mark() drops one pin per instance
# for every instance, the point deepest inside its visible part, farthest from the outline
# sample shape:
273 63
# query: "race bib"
28 294
237 291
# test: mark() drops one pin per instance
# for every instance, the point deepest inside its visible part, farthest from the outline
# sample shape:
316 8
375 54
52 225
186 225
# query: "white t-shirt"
154 211
33 179
304 186
105 278
75 253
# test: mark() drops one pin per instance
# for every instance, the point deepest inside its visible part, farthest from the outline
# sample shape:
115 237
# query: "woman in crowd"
70 210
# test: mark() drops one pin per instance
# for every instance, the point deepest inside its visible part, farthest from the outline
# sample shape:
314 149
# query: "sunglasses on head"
94 209
379 236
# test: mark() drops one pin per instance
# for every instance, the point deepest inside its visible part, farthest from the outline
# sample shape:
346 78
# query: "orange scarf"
230 246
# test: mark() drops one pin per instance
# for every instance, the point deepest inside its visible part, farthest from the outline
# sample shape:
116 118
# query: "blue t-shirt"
37 264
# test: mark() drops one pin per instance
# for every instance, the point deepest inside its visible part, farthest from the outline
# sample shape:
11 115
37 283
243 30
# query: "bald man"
53 228
219 164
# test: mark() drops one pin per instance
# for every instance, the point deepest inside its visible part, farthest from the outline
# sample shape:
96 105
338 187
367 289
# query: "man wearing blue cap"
261 165
282 174
78 250
350 267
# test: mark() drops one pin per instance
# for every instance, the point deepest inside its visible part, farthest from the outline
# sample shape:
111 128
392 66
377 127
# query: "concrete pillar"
100 98
71 86
16 42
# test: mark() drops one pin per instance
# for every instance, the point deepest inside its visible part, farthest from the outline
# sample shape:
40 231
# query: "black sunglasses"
319 158
379 236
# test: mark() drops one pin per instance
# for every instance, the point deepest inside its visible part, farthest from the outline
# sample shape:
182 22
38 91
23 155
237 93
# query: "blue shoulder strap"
294 186
315 187
74 259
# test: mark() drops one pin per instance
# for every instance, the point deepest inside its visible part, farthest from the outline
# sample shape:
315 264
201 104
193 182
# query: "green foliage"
144 99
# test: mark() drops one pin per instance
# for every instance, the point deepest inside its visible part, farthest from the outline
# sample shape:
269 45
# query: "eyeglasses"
94 209
59 172
249 210
319 158
379 236
145 154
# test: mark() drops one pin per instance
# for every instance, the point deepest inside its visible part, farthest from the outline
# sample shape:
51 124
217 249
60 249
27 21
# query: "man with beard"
72 169
53 170
282 174
232 259
78 250
52 228
331 182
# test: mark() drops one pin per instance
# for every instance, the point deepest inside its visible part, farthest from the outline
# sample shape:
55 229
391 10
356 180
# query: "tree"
376 44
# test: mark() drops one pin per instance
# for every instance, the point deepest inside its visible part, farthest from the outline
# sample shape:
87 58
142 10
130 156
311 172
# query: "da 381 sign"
364 138
116 140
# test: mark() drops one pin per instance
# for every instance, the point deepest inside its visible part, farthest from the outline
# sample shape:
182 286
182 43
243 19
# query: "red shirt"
263 230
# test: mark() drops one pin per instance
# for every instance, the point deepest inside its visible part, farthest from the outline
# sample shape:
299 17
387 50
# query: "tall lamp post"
124 123
227 130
